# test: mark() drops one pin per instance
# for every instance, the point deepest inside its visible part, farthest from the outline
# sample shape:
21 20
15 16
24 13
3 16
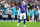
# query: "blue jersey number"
23 9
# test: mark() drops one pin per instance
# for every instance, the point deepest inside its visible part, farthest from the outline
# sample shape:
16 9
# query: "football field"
14 24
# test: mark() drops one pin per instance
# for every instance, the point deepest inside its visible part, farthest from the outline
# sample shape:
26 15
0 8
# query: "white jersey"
8 11
6 5
39 13
0 12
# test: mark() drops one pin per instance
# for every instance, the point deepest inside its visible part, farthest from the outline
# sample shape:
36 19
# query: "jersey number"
23 9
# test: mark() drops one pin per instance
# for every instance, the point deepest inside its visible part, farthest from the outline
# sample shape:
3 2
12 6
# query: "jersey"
23 8
36 13
30 12
15 12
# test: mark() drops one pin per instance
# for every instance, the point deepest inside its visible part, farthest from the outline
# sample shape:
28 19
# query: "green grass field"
14 24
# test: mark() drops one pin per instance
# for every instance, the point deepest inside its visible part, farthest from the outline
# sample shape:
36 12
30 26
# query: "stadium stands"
12 6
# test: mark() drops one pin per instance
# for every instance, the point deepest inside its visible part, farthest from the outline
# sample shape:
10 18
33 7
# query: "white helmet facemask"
24 2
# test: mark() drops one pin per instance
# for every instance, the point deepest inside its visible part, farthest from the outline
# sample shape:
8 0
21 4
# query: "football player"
23 7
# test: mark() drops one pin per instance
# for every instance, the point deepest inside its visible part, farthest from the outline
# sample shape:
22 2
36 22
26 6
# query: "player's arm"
27 7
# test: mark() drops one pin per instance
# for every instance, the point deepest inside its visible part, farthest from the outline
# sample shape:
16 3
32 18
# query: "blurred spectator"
4 13
11 7
2 1
36 15
39 13
30 12
9 12
5 5
29 7
0 14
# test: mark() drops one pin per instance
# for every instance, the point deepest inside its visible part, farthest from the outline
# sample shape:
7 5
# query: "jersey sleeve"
26 6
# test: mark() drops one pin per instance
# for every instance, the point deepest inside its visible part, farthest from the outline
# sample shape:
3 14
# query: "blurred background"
9 9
